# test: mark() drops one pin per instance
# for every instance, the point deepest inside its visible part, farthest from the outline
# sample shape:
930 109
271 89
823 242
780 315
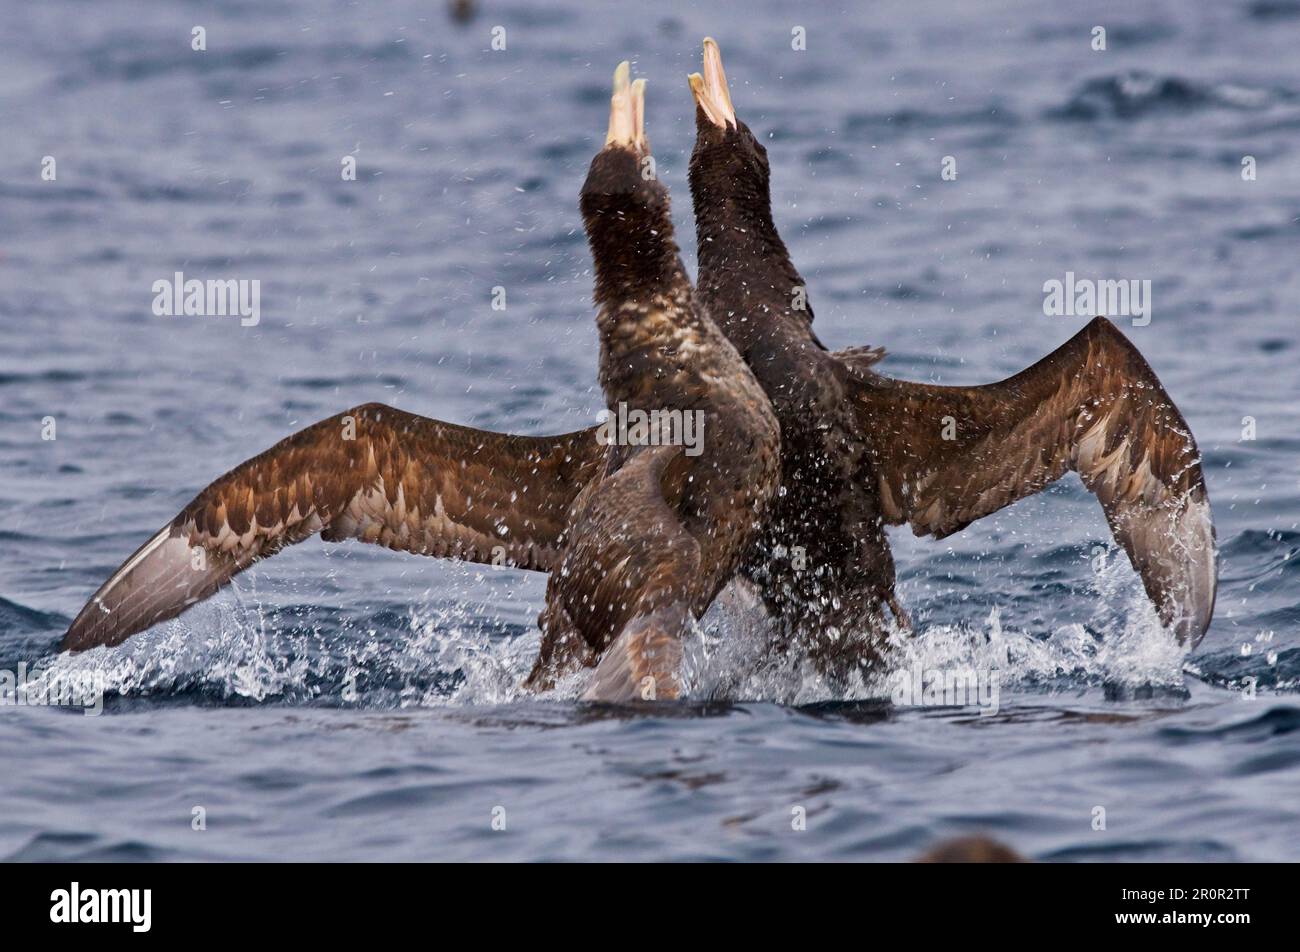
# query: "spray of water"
236 650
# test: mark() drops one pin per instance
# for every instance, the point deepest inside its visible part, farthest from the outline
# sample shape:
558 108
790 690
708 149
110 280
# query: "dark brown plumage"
842 578
861 450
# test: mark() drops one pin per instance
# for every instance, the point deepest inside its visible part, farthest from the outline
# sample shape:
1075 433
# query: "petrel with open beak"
862 451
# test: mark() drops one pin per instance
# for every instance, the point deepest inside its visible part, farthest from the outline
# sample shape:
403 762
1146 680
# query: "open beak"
627 112
711 92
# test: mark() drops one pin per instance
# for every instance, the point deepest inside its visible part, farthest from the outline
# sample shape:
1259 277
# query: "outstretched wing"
946 456
372 473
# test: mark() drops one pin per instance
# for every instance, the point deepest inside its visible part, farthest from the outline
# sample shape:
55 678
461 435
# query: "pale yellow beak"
627 111
710 90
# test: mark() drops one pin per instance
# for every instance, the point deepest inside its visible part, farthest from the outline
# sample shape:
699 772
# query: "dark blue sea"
1125 163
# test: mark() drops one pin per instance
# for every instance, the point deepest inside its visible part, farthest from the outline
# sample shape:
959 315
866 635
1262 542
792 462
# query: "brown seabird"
862 451
638 538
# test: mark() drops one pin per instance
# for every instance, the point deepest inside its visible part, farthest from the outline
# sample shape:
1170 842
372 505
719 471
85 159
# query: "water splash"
238 651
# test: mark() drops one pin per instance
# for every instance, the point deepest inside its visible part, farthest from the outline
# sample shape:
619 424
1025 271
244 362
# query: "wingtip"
158 582
80 635
1193 603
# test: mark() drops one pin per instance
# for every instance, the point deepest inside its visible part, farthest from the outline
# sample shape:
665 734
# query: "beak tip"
626 109
710 87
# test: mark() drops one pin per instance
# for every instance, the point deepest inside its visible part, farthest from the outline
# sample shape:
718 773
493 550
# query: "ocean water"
1107 743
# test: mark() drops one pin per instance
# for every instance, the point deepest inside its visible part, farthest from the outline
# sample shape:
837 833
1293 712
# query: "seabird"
638 539
861 451
652 543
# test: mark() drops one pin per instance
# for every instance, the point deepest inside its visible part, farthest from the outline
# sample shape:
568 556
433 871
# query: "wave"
14 615
867 124
1137 94
1274 722
134 62
1271 10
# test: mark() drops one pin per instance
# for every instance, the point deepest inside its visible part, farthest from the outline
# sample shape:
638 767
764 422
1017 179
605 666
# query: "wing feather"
372 473
947 456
